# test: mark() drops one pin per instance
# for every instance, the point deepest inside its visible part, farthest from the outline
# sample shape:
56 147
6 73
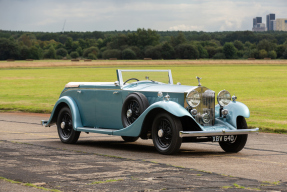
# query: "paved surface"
30 153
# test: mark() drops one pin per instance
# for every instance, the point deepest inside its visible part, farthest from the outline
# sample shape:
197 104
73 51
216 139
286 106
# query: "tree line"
143 43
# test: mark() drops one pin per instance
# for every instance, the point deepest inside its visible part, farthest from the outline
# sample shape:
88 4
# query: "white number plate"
225 138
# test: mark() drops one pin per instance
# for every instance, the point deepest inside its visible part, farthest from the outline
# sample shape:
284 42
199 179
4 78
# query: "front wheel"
165 133
65 128
240 140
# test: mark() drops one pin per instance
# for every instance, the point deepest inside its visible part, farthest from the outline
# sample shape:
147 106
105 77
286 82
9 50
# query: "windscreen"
153 76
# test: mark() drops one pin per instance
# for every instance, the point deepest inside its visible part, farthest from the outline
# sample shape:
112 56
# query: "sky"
161 15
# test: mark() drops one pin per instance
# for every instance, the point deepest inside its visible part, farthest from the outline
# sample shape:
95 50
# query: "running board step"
97 130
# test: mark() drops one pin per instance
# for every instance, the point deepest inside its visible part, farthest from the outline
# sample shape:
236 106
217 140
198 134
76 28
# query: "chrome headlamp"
223 98
193 98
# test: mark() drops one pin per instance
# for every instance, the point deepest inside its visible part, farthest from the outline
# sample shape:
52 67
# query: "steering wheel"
131 79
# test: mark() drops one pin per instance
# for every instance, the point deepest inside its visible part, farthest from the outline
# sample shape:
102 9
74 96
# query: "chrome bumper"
44 122
215 133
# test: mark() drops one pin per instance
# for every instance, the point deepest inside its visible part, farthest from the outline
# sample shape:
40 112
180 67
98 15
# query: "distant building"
281 24
269 19
258 19
258 25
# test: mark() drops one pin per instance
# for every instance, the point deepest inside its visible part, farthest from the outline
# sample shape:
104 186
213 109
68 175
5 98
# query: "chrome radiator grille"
206 106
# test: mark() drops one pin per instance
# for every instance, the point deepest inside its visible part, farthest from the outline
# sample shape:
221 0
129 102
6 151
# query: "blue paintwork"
235 109
97 107
74 110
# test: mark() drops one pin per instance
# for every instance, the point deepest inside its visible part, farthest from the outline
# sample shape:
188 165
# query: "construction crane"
64 26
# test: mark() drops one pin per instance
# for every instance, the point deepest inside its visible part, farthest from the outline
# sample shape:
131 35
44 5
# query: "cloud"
91 15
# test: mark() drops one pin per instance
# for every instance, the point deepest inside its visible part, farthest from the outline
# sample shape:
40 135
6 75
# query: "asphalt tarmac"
30 153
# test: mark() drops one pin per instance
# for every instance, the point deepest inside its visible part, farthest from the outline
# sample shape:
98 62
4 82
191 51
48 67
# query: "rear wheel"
240 140
65 128
165 133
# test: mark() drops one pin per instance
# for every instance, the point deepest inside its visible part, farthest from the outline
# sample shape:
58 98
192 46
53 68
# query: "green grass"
263 88
28 185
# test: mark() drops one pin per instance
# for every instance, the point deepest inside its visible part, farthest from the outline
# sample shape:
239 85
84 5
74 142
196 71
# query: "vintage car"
146 104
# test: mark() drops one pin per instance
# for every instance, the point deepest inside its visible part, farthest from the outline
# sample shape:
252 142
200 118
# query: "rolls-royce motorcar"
147 104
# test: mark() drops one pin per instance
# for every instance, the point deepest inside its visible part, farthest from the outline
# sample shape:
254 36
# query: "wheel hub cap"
63 124
160 133
129 113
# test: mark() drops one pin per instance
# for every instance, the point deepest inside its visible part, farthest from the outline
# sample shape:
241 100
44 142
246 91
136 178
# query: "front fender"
235 109
70 102
134 129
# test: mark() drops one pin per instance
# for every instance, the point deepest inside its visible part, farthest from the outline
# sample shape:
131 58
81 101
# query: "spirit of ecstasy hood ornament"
198 78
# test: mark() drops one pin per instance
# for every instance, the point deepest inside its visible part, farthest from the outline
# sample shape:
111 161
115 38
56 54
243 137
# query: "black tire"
130 139
67 134
168 141
240 141
137 103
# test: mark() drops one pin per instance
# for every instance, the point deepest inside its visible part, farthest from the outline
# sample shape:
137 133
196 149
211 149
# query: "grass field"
261 85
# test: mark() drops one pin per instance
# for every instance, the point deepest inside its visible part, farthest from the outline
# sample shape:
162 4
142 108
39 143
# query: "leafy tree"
82 43
238 44
63 39
153 52
211 51
179 39
263 54
112 53
202 52
93 50
80 51
9 49
219 56
61 52
272 54
240 54
186 51
280 50
229 50
92 56
69 44
74 54
50 53
266 45
34 53
24 52
247 44
167 51
285 54
128 54
139 53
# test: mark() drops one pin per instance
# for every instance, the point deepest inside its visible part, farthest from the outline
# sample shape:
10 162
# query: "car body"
146 104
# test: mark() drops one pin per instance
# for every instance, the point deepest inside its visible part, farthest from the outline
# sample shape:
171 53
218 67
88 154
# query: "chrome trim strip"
215 133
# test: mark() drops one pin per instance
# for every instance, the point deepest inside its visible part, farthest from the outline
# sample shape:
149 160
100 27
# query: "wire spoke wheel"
165 140
165 133
66 131
134 109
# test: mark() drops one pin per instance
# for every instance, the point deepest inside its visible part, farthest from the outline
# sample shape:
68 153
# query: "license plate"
223 138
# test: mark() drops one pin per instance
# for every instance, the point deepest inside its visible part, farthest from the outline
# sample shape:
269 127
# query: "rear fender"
62 102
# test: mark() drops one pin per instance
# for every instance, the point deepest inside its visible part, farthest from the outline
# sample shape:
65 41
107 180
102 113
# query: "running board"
96 130
216 133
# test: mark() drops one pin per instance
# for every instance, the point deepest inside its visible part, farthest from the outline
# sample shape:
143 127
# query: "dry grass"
66 63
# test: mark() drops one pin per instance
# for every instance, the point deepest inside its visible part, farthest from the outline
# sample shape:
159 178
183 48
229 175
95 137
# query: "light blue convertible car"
146 104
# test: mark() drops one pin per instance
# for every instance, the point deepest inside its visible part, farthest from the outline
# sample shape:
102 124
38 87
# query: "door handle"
116 92
79 91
